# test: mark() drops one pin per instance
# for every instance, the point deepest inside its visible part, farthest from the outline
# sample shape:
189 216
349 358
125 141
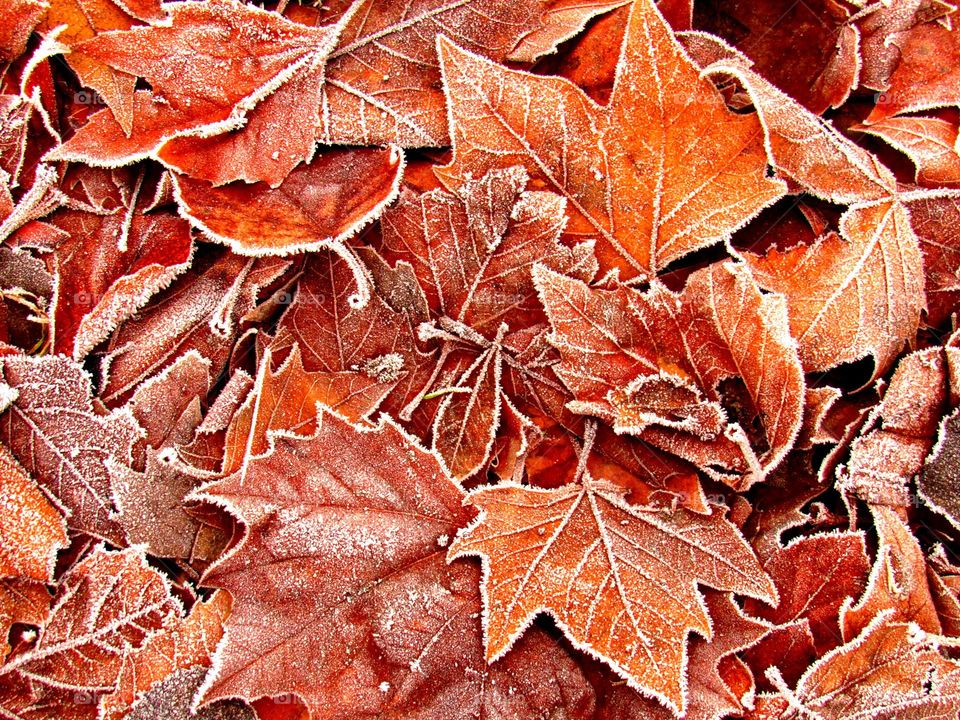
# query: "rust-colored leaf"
594 563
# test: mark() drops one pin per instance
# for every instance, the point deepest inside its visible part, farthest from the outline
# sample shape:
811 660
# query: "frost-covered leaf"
114 256
383 78
55 432
933 217
819 72
107 605
653 364
886 672
928 74
631 182
340 589
814 576
21 18
84 20
183 644
472 252
900 432
32 529
285 398
898 585
201 311
620 580
325 201
216 67
930 143
852 295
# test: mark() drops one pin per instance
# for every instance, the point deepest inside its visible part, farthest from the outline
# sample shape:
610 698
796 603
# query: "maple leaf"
477 289
216 67
344 340
852 295
317 205
107 604
631 182
594 563
342 578
651 364
52 428
383 78
32 530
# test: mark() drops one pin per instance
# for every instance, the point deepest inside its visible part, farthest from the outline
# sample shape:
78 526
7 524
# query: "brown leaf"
471 253
107 604
32 530
854 295
53 430
930 143
114 257
927 75
883 673
201 311
21 18
184 643
383 78
84 20
317 205
652 364
341 590
592 561
218 66
628 181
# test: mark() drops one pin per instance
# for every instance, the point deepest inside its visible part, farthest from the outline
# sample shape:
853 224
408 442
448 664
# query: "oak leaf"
620 580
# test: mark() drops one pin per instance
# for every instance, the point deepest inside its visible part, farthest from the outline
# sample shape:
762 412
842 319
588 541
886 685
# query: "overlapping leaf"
627 180
652 365
620 580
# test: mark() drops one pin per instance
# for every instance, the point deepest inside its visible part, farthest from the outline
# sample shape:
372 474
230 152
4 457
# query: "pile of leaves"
479 358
